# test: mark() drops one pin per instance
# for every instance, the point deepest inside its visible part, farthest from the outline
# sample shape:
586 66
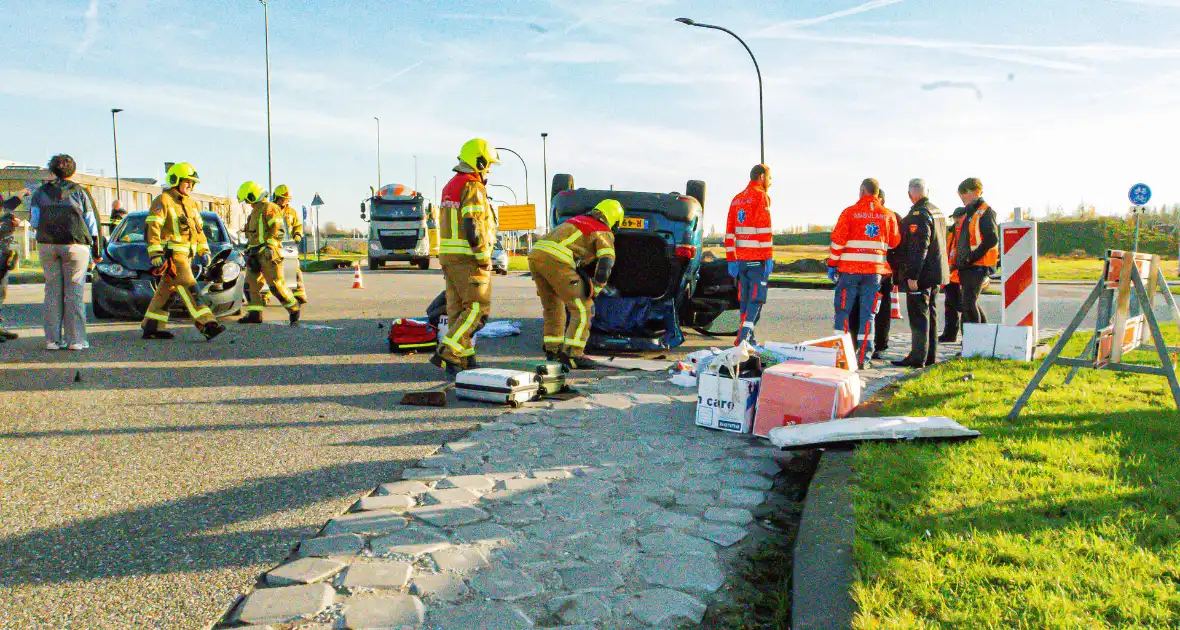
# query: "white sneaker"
79 346
49 345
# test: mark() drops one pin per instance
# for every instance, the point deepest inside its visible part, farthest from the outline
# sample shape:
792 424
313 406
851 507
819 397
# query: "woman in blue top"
64 216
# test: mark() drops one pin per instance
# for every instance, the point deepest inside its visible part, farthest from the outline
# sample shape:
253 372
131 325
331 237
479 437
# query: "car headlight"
375 245
230 271
115 270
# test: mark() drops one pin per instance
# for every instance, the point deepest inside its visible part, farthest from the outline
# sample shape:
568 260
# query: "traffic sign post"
316 202
1139 195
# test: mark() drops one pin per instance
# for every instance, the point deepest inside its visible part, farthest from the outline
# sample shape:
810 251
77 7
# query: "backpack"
407 335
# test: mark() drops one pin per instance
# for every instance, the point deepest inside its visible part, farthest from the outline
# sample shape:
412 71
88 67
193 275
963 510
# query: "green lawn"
1064 518
518 263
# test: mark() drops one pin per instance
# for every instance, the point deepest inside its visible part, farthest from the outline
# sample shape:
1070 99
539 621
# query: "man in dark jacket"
977 253
923 268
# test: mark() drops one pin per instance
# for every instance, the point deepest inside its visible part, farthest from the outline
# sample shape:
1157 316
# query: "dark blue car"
123 283
659 278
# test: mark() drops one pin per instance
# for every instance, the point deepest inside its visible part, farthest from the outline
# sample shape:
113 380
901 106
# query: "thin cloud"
90 35
581 52
389 79
872 5
954 85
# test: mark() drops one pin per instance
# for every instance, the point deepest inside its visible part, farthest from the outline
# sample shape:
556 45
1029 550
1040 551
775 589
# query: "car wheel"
424 264
696 190
562 182
374 265
99 311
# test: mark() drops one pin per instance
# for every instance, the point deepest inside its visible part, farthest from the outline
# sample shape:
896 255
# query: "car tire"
374 265
424 264
100 312
696 189
562 182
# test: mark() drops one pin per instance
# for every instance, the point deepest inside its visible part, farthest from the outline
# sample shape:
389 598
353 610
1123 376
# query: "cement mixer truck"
403 226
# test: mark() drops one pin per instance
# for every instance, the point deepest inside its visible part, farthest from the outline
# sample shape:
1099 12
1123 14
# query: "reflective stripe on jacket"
748 234
294 222
863 235
579 241
264 226
174 221
465 196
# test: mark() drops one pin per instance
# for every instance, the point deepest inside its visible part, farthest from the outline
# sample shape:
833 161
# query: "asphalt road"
144 484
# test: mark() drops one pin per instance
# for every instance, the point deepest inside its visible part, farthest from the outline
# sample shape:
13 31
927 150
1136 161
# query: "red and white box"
800 393
834 351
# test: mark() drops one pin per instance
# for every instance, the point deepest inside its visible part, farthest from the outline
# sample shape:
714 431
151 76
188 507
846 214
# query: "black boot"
552 356
212 329
293 316
451 367
7 335
586 363
252 317
151 330
472 363
566 361
909 362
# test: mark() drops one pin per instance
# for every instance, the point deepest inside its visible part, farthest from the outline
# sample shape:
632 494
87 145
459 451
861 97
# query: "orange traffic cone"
894 306
357 283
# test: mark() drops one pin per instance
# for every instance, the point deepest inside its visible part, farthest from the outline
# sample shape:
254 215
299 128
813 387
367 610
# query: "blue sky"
1048 102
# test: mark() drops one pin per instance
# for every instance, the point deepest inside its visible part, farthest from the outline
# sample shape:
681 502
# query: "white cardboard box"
997 341
815 355
717 406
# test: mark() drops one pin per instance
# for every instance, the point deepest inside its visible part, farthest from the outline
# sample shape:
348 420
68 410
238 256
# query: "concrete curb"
824 565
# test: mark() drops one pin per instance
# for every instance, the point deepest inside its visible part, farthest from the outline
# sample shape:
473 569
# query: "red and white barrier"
1018 261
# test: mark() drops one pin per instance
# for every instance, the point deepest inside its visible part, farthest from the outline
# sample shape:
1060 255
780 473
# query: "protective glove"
157 262
833 274
202 260
609 291
733 270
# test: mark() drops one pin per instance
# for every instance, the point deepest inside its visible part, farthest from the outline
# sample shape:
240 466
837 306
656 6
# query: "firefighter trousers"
182 283
469 303
300 291
565 303
270 271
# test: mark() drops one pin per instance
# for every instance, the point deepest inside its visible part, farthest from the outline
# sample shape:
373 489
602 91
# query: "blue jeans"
858 290
752 279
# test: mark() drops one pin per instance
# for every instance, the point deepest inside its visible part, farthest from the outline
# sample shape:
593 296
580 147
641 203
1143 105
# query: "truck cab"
403 226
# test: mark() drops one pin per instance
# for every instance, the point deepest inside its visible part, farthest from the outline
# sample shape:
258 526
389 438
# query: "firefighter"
953 302
294 223
566 296
264 255
857 260
749 248
465 254
175 240
977 251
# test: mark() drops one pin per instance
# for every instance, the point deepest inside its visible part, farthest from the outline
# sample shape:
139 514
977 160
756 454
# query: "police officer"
922 269
264 255
567 297
466 238
175 239
294 222
977 252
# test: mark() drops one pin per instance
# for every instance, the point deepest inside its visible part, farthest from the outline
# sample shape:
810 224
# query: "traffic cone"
894 306
357 283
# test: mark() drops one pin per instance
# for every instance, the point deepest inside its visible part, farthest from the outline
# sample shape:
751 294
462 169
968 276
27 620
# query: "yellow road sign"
522 217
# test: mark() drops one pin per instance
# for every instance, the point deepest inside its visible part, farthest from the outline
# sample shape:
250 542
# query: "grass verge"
1064 518
518 263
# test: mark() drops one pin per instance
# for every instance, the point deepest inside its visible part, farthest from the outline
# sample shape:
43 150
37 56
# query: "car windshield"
385 211
131 230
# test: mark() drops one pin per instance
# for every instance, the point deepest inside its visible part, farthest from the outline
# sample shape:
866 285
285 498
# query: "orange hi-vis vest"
747 230
863 234
992 257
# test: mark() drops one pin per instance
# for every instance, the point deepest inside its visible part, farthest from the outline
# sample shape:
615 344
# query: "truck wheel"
374 265
424 264
562 182
696 190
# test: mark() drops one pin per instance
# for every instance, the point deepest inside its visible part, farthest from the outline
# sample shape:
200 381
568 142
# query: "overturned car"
659 282
123 283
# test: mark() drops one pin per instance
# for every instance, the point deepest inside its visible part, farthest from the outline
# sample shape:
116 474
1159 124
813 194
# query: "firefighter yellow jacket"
264 226
174 221
579 241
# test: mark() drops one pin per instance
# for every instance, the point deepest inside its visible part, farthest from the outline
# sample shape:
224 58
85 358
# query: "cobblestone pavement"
611 510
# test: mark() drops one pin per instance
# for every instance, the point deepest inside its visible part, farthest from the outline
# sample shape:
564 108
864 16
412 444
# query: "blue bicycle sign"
1140 194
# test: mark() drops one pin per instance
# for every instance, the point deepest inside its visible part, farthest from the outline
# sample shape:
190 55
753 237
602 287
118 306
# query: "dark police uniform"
922 257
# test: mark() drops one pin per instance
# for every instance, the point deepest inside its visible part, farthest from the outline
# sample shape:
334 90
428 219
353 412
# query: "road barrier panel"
1018 262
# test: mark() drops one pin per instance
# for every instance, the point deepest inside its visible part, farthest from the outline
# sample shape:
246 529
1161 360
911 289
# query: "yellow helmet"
281 191
182 170
251 192
477 154
612 211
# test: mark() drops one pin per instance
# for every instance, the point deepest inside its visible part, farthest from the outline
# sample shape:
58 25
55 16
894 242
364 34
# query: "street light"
515 199
266 44
378 152
415 173
115 134
526 171
545 174
761 118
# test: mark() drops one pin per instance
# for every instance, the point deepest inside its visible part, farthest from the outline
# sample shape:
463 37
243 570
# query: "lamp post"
415 173
266 44
115 134
761 118
515 199
378 152
526 171
545 174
